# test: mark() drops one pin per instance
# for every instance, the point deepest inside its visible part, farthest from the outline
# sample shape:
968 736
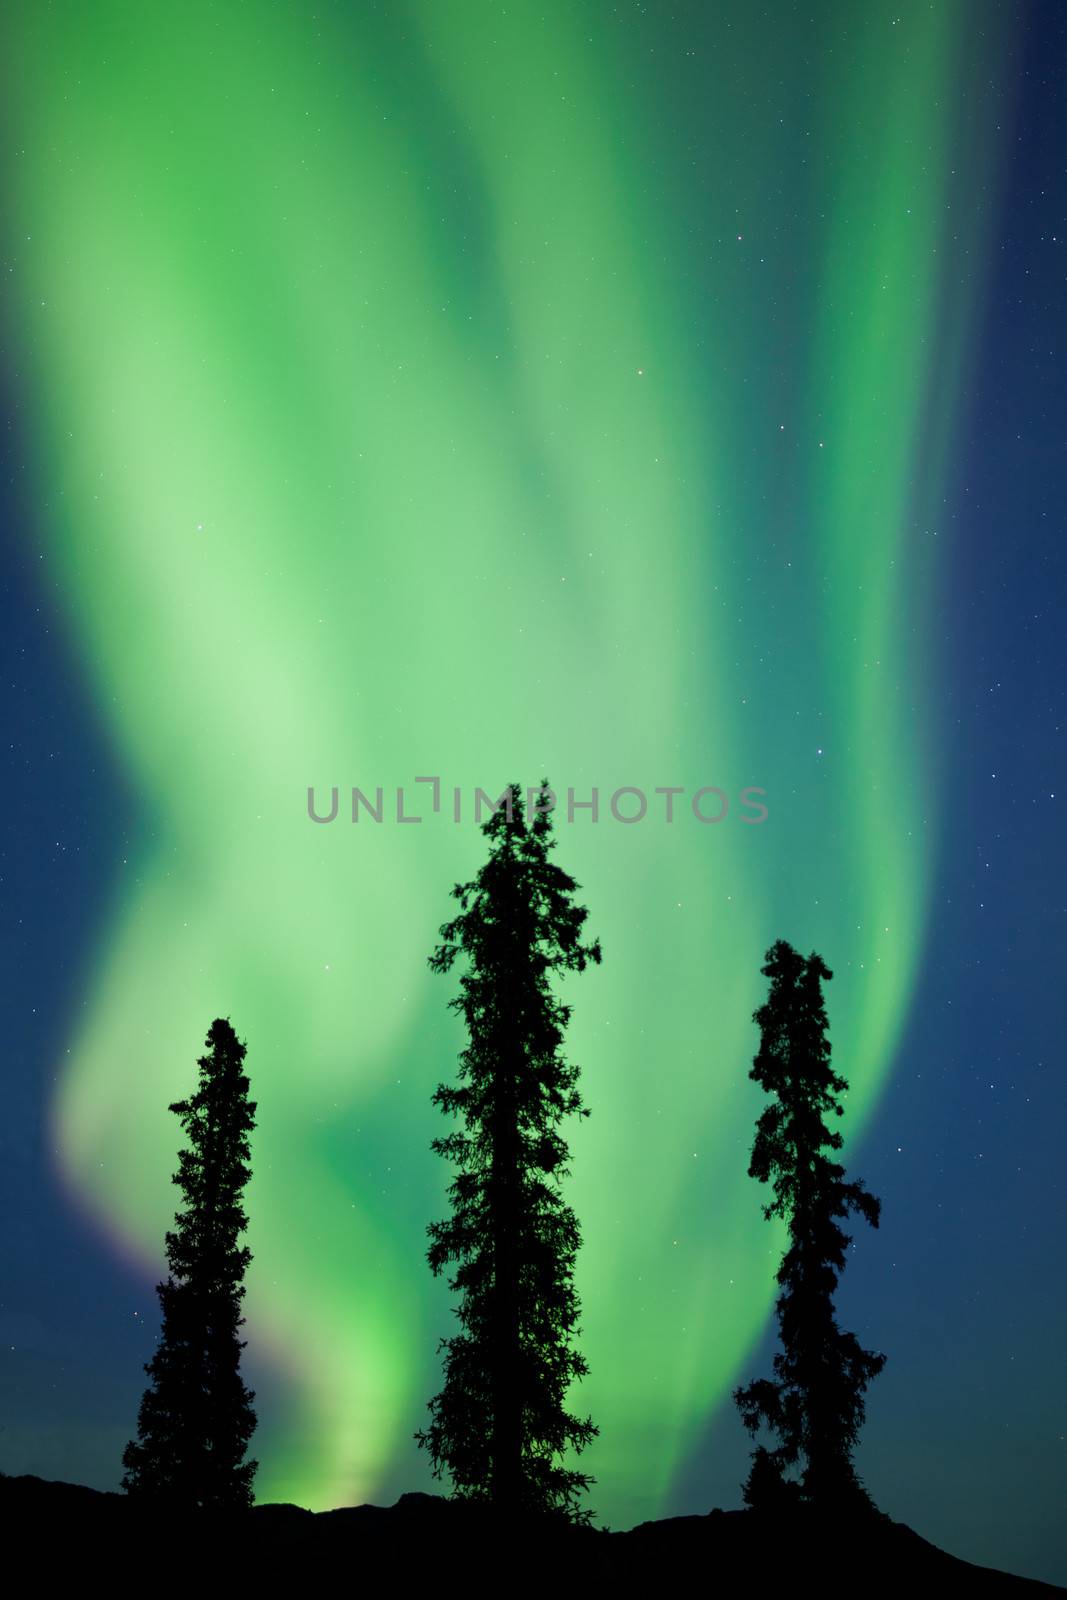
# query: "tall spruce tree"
196 1416
500 1426
814 1404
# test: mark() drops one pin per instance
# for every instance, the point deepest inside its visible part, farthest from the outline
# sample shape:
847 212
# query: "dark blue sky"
964 1285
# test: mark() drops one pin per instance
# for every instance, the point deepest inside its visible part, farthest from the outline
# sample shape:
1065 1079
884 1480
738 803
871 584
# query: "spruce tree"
196 1416
500 1426
814 1404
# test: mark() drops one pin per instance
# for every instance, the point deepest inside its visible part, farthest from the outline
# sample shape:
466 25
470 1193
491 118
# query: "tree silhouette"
814 1405
196 1416
499 1425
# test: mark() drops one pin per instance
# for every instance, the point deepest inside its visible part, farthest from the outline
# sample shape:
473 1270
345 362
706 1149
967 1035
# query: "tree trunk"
507 1397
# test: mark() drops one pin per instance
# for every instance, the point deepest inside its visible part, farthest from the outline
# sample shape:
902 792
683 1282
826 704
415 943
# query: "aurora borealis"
493 391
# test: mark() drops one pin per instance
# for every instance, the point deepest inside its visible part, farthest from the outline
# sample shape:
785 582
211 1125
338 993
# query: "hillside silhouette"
748 1553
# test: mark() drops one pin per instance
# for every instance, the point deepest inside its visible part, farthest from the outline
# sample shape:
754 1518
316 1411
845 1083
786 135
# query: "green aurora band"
451 388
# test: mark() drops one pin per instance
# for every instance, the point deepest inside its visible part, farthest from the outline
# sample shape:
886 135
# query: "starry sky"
649 396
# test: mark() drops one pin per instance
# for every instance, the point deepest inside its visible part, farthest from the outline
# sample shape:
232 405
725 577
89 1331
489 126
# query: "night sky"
641 395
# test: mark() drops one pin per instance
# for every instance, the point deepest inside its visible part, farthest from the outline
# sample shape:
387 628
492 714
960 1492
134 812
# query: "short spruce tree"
196 1416
500 1426
814 1404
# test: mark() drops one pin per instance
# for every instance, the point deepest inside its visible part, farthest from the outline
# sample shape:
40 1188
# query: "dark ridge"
740 1553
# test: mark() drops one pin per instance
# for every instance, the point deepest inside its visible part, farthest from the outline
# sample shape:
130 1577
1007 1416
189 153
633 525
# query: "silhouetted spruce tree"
814 1404
196 1417
500 1424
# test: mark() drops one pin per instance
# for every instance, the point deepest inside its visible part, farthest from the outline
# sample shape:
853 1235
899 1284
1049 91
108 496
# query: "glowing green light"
388 421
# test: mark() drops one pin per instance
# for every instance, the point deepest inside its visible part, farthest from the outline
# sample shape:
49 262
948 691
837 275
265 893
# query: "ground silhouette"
736 1552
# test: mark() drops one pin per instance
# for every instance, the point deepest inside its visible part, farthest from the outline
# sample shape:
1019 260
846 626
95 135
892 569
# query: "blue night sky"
524 379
